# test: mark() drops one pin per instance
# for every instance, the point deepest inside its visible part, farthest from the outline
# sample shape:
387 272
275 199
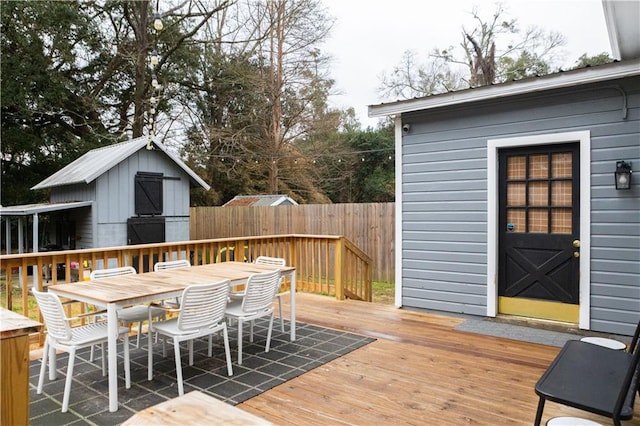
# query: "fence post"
339 268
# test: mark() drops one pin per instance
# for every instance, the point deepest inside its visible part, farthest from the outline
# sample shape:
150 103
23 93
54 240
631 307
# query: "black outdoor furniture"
591 378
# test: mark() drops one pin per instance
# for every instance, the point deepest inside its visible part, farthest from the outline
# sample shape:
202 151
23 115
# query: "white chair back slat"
112 272
203 305
53 314
274 261
171 264
260 291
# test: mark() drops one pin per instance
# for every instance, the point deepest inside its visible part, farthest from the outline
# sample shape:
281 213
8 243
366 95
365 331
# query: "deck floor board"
419 371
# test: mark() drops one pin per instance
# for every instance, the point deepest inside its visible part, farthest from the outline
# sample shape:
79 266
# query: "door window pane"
517 167
538 194
516 194
561 165
538 166
516 218
539 220
561 193
561 221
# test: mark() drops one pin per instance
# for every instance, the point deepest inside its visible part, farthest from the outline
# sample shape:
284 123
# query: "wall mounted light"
623 175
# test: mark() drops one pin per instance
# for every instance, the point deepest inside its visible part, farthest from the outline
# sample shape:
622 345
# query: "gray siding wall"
444 197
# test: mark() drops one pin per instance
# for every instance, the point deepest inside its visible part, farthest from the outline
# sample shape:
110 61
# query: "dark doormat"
260 371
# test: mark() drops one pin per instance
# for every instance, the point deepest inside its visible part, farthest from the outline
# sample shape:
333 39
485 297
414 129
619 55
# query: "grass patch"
384 293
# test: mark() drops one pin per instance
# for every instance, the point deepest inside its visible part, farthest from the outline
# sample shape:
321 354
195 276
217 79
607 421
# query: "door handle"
576 243
576 254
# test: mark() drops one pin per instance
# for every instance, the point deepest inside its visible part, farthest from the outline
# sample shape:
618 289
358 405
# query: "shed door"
539 232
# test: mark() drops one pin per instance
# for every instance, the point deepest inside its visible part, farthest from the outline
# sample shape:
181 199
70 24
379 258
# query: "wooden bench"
192 409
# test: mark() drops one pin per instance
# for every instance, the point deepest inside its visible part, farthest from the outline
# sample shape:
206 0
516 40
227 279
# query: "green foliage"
46 120
585 61
75 76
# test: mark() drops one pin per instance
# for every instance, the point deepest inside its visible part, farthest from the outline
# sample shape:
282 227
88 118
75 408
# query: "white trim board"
584 139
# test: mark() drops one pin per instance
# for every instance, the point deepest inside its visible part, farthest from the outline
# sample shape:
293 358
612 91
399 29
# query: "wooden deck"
419 371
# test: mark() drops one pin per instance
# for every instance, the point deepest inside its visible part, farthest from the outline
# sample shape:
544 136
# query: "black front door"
539 245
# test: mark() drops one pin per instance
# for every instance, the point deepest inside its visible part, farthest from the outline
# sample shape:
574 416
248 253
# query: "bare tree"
495 50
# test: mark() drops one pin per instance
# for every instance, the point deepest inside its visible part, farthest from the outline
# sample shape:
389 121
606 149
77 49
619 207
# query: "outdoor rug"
260 371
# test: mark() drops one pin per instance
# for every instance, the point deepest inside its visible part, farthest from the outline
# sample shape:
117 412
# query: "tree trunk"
142 47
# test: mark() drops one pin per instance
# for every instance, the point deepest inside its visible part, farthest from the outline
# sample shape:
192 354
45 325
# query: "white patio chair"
257 302
277 262
130 315
172 264
61 336
201 313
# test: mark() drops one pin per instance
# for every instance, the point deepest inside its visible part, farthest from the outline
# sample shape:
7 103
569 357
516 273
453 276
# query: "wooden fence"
369 226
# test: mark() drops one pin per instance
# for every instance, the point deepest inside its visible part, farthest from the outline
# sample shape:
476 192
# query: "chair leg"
43 367
269 333
139 334
227 350
539 412
176 350
104 360
67 383
190 348
127 362
251 331
280 312
53 371
150 356
239 341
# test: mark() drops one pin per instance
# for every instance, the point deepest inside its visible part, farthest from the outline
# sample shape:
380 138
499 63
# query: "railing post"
339 268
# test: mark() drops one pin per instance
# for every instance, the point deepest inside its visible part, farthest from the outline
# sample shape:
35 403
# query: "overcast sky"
370 36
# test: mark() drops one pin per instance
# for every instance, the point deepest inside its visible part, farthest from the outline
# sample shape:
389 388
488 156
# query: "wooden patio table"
118 292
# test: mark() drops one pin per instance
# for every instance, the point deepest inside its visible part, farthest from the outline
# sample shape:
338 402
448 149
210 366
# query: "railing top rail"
89 251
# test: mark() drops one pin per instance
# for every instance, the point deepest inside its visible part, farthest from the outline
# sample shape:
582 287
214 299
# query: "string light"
154 60
338 157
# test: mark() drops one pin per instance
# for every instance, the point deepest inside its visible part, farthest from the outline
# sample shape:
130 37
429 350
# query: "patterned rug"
260 371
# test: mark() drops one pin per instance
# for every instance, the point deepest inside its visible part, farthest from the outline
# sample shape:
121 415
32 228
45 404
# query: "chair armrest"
165 306
236 296
86 315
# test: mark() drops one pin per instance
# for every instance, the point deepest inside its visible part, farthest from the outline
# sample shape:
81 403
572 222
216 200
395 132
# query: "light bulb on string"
157 22
154 58
154 81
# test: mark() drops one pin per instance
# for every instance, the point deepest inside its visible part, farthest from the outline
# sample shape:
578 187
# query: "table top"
194 408
13 324
130 287
585 376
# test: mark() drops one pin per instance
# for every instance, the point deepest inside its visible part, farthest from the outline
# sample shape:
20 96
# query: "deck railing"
324 264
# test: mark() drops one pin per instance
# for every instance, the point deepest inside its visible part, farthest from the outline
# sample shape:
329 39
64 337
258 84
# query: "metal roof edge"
28 209
134 146
548 82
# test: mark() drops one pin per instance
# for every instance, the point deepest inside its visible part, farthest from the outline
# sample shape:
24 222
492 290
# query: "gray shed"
112 196
506 200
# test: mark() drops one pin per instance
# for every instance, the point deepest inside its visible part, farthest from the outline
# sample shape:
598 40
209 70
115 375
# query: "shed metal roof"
30 209
259 200
98 161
